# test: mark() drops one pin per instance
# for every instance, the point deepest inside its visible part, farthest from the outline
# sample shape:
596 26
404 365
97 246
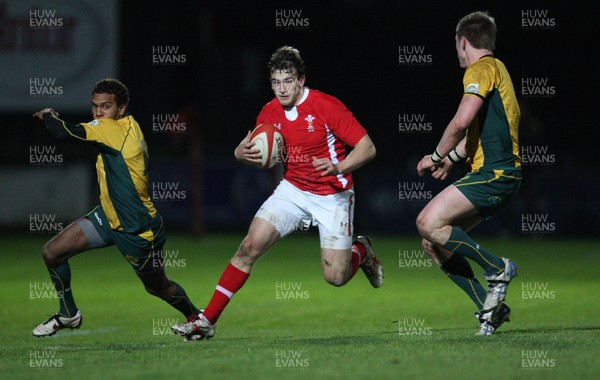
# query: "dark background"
351 52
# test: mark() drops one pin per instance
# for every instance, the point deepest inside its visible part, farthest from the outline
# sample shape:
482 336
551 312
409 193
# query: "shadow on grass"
341 340
545 329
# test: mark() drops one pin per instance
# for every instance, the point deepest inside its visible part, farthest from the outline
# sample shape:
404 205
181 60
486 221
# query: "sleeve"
104 132
478 80
343 124
64 131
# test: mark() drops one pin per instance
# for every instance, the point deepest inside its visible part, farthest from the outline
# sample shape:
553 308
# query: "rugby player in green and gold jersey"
484 130
125 217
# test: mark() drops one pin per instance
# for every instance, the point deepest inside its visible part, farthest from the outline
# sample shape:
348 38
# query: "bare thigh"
446 209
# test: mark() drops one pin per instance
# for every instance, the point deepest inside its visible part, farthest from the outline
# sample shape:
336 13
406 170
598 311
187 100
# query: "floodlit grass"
287 323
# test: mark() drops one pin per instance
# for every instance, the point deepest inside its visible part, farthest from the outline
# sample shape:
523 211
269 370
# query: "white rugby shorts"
290 209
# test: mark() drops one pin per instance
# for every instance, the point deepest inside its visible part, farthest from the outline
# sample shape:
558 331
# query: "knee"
423 225
51 258
431 230
337 279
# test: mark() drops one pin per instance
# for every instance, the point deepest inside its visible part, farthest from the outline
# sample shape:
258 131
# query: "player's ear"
463 42
122 109
301 81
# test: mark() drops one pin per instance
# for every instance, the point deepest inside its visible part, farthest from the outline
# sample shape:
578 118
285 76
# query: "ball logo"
269 141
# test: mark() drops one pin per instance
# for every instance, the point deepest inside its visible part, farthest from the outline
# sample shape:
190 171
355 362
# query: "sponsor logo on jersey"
472 88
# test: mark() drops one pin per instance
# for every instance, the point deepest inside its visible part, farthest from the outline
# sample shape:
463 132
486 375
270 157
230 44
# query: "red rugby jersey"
321 126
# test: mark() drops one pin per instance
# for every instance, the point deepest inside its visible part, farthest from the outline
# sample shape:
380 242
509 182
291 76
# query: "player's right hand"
442 169
245 153
425 164
40 114
438 170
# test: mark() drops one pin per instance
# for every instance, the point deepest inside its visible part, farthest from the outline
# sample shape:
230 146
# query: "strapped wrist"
436 157
454 156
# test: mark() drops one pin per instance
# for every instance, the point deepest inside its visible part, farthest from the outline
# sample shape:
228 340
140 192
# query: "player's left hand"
40 114
325 166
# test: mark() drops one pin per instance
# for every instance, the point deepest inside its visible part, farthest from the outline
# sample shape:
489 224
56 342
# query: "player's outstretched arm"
363 152
244 152
59 129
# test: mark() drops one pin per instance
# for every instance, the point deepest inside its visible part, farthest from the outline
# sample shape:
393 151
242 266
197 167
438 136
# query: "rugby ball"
269 141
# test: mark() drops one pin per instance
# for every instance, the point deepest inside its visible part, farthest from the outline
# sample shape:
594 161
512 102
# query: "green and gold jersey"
122 168
493 139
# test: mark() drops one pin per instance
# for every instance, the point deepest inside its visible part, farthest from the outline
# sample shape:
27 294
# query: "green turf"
418 325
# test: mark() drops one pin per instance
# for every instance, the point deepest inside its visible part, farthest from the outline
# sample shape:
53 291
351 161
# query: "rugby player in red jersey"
317 187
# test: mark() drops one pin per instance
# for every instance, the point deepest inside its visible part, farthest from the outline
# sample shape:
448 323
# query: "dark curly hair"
288 60
115 87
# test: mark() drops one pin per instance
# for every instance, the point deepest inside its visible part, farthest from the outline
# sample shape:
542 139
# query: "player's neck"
476 54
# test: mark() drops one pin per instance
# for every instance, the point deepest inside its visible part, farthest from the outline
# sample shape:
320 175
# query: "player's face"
105 106
287 87
461 43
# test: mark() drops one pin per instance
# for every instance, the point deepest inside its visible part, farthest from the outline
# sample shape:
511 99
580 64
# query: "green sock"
459 242
181 302
458 269
61 277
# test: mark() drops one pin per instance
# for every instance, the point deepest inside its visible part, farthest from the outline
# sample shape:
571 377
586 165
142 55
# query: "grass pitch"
287 323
